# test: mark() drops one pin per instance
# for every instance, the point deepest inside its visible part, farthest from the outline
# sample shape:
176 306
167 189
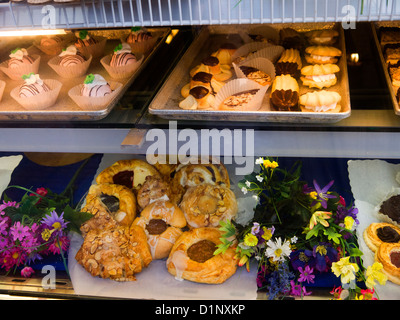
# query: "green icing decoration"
27 76
89 78
118 47
83 34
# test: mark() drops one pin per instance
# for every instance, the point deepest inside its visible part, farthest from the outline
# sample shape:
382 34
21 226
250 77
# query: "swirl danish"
378 233
388 254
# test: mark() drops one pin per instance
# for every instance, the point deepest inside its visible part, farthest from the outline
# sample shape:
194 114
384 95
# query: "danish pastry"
117 200
192 257
319 75
129 173
378 233
320 101
206 205
117 254
163 222
153 188
388 254
322 54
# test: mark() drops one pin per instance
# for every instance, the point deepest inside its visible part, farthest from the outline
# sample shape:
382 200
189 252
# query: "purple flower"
324 255
298 290
302 257
19 231
54 221
306 274
322 194
343 212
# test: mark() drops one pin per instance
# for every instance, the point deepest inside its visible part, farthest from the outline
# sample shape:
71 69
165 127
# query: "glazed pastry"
382 232
225 52
19 57
163 222
238 100
138 34
153 188
322 37
70 57
320 101
256 75
122 56
192 257
389 210
33 86
205 205
388 254
84 39
212 65
95 86
199 98
129 173
319 75
117 254
285 93
322 54
290 38
119 201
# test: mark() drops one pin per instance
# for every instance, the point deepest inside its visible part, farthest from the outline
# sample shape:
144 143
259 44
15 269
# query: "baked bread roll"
192 257
117 201
319 75
381 232
206 205
163 222
117 254
388 254
320 101
129 173
322 54
153 188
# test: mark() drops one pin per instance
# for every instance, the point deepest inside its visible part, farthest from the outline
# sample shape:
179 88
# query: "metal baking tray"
65 109
375 31
165 104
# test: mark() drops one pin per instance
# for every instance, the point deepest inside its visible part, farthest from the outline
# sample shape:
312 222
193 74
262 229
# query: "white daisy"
277 250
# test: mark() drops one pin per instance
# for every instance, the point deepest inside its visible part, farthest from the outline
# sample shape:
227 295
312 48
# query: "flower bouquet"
37 226
298 233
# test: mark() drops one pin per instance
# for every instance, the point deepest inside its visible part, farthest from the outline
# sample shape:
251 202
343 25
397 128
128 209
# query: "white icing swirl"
70 51
98 81
34 78
19 54
126 48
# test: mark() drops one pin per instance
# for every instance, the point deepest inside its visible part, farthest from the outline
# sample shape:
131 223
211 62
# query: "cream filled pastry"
95 86
319 75
322 54
122 56
320 101
19 57
33 86
70 57
199 98
211 64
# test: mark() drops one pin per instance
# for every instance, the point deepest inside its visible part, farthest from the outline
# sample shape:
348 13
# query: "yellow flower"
319 217
250 240
313 194
373 273
267 233
269 164
348 223
345 269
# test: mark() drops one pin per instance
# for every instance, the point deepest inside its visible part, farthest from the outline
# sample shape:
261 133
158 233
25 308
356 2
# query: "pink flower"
27 272
7 204
306 274
59 241
298 290
19 231
13 257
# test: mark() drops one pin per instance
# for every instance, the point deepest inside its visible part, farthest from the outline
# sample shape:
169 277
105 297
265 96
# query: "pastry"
322 54
199 98
129 173
84 39
70 57
153 188
256 75
237 100
320 101
19 57
205 205
285 93
95 86
388 254
225 52
117 254
291 56
51 41
392 55
319 75
163 222
290 38
192 257
119 201
122 56
211 64
33 86
389 210
322 37
394 72
203 79
389 35
90 45
289 68
138 34
381 232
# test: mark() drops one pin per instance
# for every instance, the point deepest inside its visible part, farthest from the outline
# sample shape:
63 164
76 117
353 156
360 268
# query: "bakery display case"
70 140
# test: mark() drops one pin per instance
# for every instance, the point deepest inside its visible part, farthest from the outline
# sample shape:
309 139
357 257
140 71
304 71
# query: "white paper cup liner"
96 50
143 46
17 73
2 86
271 53
261 64
383 217
122 72
56 48
41 101
94 103
267 32
246 49
69 72
237 86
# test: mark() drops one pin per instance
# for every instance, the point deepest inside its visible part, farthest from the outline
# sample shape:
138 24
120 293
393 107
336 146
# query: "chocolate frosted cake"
391 208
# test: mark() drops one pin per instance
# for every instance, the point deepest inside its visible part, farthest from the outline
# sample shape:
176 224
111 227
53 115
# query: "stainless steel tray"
165 104
65 109
375 28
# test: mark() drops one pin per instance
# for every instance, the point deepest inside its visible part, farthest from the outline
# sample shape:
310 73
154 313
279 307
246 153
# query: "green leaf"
355 252
75 218
332 235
